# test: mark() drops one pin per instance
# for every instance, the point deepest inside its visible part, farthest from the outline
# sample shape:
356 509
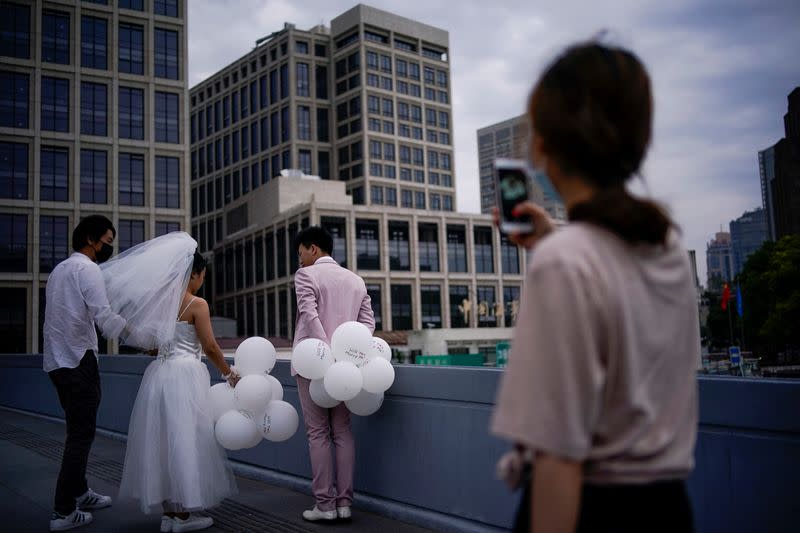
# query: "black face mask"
105 253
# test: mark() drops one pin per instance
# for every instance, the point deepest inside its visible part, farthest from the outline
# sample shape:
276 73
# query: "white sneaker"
315 515
193 523
91 501
59 522
344 513
166 524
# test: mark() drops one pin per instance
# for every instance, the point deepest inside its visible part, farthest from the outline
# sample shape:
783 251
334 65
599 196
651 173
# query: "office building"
748 233
766 170
93 106
719 264
511 139
781 173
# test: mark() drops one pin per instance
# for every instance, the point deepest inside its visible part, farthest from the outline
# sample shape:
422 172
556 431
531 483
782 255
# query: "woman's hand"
543 225
232 377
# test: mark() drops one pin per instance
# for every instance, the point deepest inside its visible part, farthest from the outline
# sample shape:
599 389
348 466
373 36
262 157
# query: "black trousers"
655 507
79 393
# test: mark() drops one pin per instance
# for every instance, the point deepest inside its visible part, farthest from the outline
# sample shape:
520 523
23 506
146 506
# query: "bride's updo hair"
199 264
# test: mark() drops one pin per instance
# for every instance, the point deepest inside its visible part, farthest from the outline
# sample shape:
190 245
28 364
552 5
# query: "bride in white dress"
173 463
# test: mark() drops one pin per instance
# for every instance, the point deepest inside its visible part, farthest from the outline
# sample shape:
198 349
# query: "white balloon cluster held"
254 409
354 369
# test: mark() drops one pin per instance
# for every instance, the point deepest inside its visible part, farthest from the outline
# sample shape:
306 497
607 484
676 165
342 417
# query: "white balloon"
277 388
255 355
221 400
365 403
320 396
343 381
257 436
380 348
279 422
378 374
235 430
352 342
311 358
253 393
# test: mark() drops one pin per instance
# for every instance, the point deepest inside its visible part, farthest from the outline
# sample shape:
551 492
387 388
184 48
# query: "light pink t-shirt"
604 357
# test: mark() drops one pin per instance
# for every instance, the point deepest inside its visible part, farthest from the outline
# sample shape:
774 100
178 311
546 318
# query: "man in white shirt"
76 302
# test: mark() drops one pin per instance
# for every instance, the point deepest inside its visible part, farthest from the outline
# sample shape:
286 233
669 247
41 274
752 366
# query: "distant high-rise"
718 260
785 186
748 233
510 139
766 169
93 107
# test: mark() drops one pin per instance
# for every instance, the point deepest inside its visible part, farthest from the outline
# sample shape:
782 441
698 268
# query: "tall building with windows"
510 139
719 262
748 233
766 170
364 105
93 119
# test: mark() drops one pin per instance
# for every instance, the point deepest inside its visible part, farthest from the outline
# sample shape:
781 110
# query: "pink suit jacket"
328 296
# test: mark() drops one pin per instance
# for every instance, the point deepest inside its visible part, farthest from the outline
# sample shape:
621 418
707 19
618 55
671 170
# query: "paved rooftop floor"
30 456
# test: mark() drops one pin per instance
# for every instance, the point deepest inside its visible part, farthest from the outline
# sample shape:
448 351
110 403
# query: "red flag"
726 295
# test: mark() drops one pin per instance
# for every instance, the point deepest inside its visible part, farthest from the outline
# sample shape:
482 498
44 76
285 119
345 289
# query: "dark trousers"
655 507
79 393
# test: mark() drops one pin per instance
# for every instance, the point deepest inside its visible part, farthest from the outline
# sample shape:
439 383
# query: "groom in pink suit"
327 296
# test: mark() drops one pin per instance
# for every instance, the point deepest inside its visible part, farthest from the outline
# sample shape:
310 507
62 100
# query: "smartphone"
512 177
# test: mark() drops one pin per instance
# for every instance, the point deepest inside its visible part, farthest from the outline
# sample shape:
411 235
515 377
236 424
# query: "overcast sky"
721 72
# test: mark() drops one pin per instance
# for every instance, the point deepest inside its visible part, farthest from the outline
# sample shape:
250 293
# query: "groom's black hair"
315 235
92 227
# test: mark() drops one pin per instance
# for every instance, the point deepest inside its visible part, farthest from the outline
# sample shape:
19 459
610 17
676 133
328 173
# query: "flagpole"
730 324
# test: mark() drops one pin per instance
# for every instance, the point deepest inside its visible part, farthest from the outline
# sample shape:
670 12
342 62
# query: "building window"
337 227
428 247
13 170
94 43
166 54
459 305
15 30
402 319
431 304
399 247
456 249
368 245
323 127
406 198
94 176
484 257
486 307
303 86
358 195
131 179
304 161
374 292
55 37
14 95
511 301
284 70
419 199
13 318
391 196
167 117
377 195
162 228
323 165
436 204
131 233
55 104
321 74
168 191
131 48
131 113
54 174
509 254
304 123
447 202
13 243
53 235
286 126
94 109
167 8
137 5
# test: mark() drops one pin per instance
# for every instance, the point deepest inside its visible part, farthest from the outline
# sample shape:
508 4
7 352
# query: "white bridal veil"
145 285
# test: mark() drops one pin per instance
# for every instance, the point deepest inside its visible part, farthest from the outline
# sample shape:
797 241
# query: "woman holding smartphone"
600 388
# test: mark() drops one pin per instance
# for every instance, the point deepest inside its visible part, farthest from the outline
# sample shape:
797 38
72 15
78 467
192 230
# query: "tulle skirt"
173 456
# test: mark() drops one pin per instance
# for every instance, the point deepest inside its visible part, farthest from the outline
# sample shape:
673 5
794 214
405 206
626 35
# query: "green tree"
770 285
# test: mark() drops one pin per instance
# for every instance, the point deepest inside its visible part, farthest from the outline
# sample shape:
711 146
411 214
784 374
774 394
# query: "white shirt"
76 301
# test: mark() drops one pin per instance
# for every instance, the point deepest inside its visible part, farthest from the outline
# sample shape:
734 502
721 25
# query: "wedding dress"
173 456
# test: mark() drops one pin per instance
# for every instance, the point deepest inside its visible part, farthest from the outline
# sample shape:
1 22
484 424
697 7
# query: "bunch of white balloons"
254 409
354 369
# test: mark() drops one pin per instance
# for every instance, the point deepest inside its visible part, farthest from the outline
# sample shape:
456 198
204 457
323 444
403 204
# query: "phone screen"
513 184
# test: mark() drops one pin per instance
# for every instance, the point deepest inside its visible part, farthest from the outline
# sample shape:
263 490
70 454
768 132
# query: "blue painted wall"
428 447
